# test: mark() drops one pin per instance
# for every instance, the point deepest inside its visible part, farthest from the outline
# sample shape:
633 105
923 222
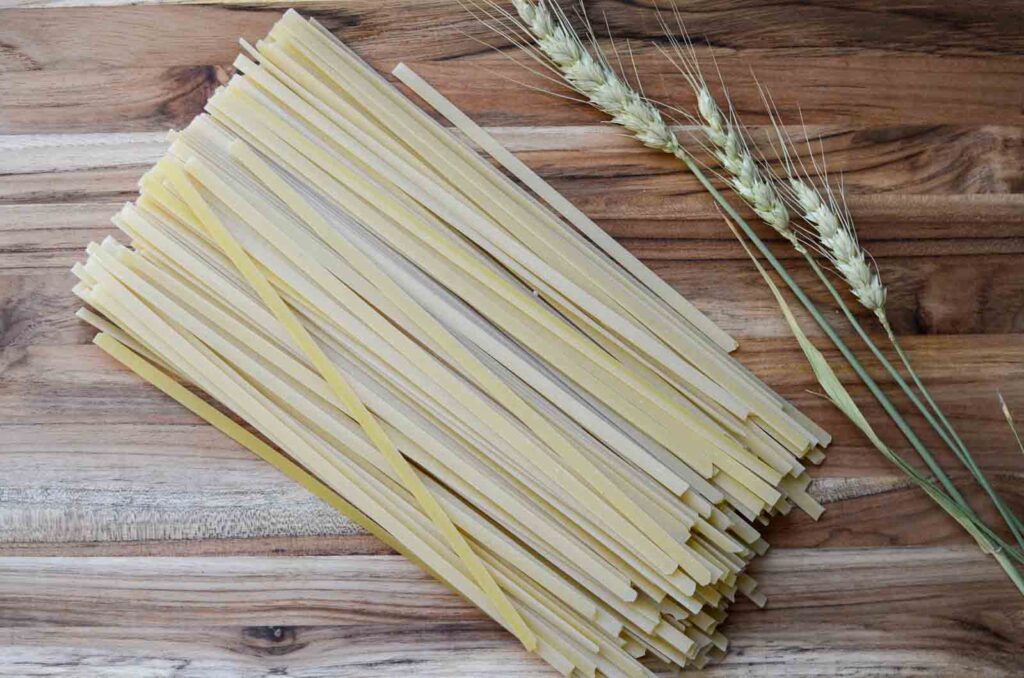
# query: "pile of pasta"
473 371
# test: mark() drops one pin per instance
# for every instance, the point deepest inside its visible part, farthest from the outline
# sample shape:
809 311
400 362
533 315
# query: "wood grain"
970 226
379 616
135 541
65 84
462 650
917 160
868 90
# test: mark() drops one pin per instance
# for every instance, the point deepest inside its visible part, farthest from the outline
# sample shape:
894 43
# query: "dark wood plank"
205 33
126 69
858 89
866 512
930 26
854 88
120 99
39 309
69 38
225 591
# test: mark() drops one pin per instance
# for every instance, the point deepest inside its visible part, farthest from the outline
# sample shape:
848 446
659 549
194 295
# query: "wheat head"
750 179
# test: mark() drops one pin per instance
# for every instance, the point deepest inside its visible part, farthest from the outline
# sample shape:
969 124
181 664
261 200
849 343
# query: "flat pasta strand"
470 370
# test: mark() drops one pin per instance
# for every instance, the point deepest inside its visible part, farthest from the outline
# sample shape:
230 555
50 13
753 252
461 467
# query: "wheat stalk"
831 231
595 79
834 236
608 92
839 242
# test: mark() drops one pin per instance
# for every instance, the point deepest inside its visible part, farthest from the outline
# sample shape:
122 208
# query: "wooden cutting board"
136 541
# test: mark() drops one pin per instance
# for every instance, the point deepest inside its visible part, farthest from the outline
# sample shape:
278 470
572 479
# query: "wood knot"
271 640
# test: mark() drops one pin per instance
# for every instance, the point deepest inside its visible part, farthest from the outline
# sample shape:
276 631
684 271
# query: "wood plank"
850 90
64 384
142 500
40 309
148 482
929 26
39 153
853 88
391 590
583 160
924 612
245 547
141 68
941 295
117 462
35 237
933 160
82 383
970 295
225 591
147 37
866 512
463 650
41 237
116 100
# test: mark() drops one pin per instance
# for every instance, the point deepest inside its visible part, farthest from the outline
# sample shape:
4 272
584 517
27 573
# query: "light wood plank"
93 455
931 612
462 650
148 482
933 161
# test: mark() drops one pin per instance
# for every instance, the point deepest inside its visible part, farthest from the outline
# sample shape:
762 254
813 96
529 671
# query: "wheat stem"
919 447
958 510
1011 423
836 237
593 78
957 444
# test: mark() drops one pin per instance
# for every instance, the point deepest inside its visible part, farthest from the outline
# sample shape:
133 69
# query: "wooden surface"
135 541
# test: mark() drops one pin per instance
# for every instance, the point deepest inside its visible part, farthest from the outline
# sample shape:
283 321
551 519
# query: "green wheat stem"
841 399
943 428
825 326
594 78
1013 522
851 359
988 544
919 447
